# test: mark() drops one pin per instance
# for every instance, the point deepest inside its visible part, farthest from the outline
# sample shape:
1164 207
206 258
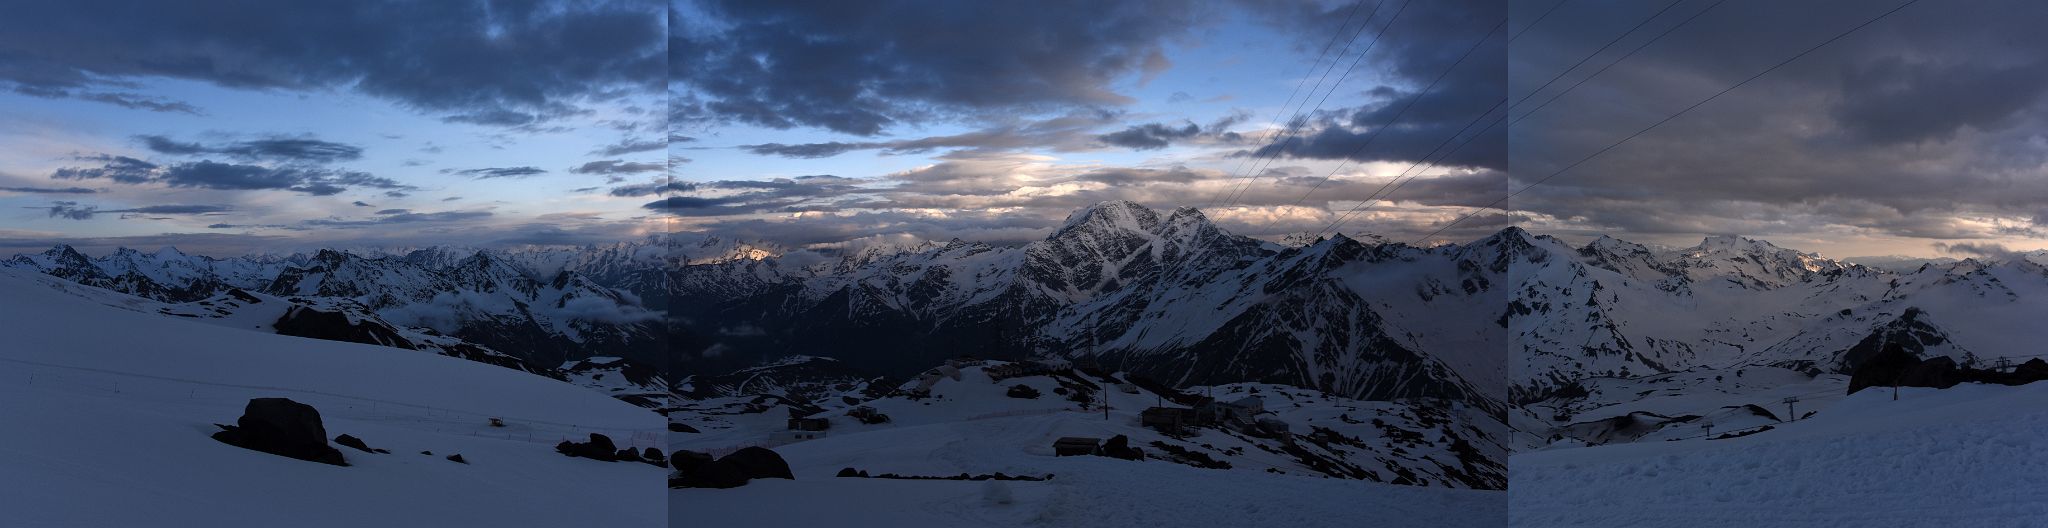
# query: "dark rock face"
457 458
695 470
2032 369
684 461
1897 367
759 462
282 427
1023 391
717 474
681 428
352 441
306 322
600 447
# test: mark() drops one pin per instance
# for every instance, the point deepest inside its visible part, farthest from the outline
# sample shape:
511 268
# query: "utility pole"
1792 404
1105 404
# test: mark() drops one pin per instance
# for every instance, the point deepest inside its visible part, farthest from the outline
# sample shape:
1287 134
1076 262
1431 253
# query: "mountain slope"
152 390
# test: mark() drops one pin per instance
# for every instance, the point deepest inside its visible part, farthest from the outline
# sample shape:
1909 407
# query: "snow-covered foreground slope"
108 413
1090 492
969 425
1966 456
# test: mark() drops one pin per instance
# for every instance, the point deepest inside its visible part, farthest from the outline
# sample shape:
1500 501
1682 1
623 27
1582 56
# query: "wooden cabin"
1076 446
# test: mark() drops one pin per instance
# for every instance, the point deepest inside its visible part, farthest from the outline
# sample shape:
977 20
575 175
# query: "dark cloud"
393 211
1072 131
1922 125
1889 100
741 197
1404 120
360 203
278 149
141 102
860 68
43 190
1150 136
497 63
406 217
651 189
498 172
226 176
76 211
617 167
630 146
807 150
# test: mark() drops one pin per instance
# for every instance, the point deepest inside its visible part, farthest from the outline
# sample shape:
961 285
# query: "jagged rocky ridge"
1166 296
1512 317
491 307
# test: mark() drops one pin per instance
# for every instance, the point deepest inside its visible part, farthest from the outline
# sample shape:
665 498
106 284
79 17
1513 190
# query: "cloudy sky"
236 126
828 122
1921 131
258 126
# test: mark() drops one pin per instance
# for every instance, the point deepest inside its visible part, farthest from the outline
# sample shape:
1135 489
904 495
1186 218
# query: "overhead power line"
1595 53
1294 125
1403 111
1539 20
1312 70
1625 56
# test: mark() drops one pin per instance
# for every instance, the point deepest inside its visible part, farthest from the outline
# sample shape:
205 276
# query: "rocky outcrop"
282 427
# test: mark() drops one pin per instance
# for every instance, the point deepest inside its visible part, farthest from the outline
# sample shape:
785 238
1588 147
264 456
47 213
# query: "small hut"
1075 446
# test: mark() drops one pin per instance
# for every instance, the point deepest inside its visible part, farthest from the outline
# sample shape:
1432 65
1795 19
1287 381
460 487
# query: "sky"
231 127
1920 134
834 123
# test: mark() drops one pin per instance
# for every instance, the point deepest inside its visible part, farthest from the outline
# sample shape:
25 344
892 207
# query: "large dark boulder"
1938 372
1119 446
353 442
1882 369
282 427
684 461
759 462
715 474
600 447
2031 371
694 470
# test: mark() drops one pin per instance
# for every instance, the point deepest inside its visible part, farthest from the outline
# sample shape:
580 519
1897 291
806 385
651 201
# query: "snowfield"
971 426
108 413
1966 456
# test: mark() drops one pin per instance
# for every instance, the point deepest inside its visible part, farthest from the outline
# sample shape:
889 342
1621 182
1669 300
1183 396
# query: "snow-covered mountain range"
1616 309
533 310
1168 296
1512 317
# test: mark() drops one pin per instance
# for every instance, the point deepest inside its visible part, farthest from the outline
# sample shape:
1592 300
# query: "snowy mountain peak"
1124 215
1749 262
